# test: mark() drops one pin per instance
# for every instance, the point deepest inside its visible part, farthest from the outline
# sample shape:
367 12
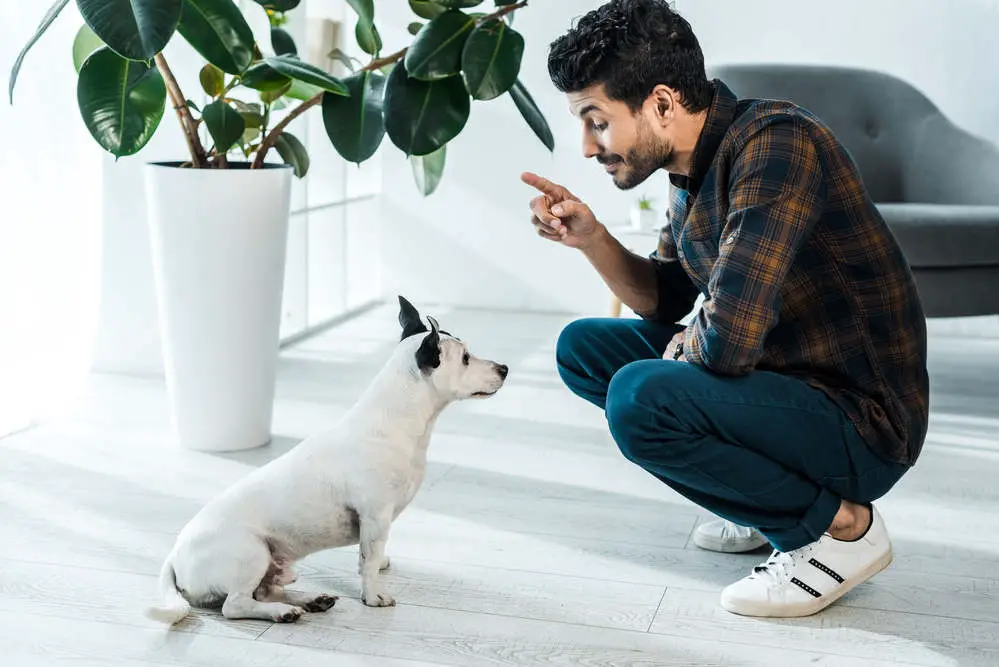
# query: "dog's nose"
503 370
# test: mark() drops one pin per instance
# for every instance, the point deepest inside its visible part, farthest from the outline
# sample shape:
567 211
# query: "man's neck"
683 152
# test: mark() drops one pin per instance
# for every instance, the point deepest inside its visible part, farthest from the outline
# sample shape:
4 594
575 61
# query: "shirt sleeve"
676 291
776 193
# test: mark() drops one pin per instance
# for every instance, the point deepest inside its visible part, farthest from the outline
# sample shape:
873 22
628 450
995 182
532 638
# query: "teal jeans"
762 450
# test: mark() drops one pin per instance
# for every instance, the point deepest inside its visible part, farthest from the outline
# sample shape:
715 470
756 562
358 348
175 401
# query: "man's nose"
590 147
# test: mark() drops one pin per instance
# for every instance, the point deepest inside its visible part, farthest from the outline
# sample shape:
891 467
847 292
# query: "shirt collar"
721 113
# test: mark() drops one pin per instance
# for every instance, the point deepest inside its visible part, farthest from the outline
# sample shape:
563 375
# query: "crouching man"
798 395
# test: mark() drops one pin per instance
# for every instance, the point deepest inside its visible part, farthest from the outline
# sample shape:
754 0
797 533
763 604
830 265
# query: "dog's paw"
378 599
289 616
321 604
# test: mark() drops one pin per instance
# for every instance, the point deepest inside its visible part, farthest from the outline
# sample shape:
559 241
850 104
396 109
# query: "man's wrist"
597 240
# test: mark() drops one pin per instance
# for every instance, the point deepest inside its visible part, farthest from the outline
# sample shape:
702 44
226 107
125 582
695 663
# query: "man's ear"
663 102
409 319
428 357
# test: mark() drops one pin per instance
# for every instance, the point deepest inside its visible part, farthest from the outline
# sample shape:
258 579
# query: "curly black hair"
631 46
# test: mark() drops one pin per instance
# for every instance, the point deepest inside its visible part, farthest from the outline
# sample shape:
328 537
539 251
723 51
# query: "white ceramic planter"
643 220
218 244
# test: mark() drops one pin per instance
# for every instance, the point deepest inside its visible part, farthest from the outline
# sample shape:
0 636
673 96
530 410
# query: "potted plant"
643 216
219 214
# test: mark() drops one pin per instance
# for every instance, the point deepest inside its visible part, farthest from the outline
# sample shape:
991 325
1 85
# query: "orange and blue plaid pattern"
800 273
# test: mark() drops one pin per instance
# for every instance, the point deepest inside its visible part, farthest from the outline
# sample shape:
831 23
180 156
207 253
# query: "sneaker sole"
721 546
746 608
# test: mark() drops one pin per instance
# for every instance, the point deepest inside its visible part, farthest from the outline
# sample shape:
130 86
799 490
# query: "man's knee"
638 413
573 341
574 351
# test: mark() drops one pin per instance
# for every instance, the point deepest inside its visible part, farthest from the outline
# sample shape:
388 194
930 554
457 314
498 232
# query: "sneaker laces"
779 568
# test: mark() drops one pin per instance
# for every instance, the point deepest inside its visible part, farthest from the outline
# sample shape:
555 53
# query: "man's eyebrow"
587 109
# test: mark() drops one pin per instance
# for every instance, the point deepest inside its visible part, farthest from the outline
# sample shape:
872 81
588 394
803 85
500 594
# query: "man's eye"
465 359
600 127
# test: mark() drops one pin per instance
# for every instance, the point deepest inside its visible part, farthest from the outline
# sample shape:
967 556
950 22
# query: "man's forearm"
630 277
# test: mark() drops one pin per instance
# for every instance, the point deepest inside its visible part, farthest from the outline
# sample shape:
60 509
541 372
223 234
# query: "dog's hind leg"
310 602
374 536
245 571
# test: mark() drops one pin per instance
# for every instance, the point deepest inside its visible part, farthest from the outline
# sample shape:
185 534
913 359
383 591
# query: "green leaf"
293 152
252 120
342 58
46 21
217 30
436 51
426 9
458 4
282 42
414 27
421 116
121 101
85 43
192 105
278 5
532 114
354 124
303 91
249 134
368 37
271 96
225 124
261 76
245 107
491 59
365 32
299 70
428 169
212 80
504 3
135 29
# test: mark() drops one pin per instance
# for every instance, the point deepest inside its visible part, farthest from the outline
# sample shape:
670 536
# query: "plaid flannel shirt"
800 273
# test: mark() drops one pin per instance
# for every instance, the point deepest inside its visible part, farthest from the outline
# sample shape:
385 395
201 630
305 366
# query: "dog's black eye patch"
465 359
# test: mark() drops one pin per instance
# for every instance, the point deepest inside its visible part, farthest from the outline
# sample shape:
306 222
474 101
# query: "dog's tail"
173 606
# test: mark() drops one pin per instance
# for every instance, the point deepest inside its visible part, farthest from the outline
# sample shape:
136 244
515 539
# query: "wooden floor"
533 541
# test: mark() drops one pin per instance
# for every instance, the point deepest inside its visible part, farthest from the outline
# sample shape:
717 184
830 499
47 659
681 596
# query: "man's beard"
643 160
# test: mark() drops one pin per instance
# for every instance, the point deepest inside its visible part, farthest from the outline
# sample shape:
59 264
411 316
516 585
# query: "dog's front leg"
374 536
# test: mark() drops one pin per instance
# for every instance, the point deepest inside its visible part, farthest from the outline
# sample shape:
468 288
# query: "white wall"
470 244
50 181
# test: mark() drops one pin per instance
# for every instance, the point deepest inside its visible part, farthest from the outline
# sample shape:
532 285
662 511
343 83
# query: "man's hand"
675 343
558 215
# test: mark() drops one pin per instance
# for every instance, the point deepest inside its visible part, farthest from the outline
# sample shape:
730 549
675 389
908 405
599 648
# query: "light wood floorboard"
532 542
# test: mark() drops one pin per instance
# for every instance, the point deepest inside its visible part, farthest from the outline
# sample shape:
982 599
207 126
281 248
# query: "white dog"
340 488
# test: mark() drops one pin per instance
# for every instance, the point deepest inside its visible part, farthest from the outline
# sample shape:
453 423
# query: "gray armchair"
936 185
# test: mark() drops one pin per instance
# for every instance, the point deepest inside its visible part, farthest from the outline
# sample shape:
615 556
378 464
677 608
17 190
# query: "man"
798 394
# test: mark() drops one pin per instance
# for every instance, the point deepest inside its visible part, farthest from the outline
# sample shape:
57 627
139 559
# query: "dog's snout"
503 370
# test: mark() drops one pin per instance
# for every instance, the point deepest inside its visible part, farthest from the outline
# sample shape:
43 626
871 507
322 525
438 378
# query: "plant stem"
268 141
187 123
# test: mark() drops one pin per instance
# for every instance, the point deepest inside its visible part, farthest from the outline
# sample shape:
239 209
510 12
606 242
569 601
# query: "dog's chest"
409 483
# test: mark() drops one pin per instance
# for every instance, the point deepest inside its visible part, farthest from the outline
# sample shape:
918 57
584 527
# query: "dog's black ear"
428 357
409 319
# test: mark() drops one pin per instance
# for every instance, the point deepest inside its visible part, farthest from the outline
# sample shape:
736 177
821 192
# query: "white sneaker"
807 580
727 537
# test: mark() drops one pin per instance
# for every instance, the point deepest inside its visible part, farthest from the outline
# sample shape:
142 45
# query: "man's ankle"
851 522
